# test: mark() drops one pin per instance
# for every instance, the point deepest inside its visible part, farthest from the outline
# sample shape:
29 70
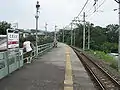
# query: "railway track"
103 80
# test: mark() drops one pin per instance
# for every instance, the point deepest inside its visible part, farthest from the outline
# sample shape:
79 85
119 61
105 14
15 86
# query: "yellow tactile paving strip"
68 82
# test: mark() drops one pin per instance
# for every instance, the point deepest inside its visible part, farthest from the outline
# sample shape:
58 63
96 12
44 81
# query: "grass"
105 57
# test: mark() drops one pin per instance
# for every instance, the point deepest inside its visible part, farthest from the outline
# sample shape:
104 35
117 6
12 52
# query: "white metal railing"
41 49
14 59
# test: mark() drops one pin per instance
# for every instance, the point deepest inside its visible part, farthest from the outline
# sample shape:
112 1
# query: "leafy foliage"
3 27
103 56
102 39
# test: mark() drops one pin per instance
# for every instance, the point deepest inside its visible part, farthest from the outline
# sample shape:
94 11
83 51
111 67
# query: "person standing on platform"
28 49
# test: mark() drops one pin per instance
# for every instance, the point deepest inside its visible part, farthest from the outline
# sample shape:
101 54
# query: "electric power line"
97 8
83 8
90 9
117 1
92 6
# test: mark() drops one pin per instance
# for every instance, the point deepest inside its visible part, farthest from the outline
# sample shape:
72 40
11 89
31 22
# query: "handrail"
16 59
41 49
44 44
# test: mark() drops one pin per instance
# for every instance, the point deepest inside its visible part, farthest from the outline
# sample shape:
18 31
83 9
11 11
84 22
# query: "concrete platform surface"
57 69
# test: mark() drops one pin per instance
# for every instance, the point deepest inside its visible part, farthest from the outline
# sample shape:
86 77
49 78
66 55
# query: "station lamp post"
37 16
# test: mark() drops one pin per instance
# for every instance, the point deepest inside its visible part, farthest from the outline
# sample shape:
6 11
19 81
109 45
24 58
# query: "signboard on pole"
12 39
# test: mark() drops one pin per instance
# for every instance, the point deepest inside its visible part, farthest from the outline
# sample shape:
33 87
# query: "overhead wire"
88 10
92 7
117 1
97 8
80 11
82 8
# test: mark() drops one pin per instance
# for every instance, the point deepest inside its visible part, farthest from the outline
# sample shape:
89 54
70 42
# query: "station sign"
12 39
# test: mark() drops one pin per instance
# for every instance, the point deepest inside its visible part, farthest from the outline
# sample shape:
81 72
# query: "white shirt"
26 45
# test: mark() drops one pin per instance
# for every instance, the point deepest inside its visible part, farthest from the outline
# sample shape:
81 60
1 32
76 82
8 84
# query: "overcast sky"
55 12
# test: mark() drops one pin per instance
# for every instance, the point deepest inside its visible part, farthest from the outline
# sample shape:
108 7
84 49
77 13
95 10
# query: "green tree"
3 27
109 47
98 37
103 39
112 33
79 35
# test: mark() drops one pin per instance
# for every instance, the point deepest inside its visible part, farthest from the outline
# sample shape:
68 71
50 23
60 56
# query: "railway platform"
58 69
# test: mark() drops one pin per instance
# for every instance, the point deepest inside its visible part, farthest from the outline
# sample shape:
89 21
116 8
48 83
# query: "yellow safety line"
68 82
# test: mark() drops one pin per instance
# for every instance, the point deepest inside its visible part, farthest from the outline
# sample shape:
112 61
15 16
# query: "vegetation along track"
101 77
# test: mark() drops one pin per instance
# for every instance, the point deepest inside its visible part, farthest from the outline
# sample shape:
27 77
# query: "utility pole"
71 34
88 36
74 36
118 1
46 29
74 31
63 35
55 39
75 20
84 31
37 16
119 39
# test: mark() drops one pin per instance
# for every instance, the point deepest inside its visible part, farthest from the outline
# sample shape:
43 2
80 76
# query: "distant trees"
103 39
3 27
112 33
41 39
